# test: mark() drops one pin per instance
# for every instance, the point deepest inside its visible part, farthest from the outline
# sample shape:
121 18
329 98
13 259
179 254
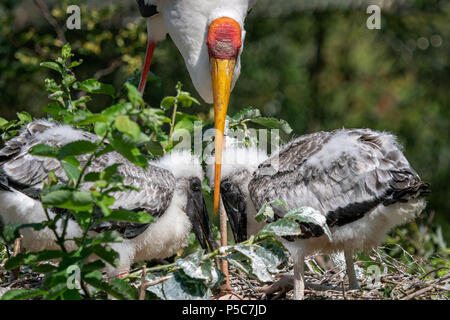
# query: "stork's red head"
224 38
224 42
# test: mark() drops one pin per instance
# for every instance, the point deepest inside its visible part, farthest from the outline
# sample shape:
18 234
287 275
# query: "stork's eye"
226 186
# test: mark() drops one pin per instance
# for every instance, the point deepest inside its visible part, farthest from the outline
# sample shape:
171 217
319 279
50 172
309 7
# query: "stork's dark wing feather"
344 174
147 8
25 172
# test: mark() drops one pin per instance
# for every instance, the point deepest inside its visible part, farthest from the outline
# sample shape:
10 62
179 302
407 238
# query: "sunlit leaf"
95 86
73 200
124 124
22 294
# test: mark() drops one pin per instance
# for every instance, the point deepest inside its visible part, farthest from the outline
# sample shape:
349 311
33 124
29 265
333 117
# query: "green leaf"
129 216
106 253
186 100
32 258
76 148
185 122
273 123
3 122
266 212
282 227
246 114
264 259
196 268
134 96
71 294
51 85
89 119
100 128
66 52
72 172
44 150
117 109
24 116
127 149
22 294
124 124
180 287
92 266
72 160
56 291
53 108
92 176
191 265
117 288
52 65
309 215
168 102
95 86
10 231
110 171
108 236
75 63
72 200
44 268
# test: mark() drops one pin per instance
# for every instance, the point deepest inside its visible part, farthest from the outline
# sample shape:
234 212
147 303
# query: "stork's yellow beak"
224 42
222 75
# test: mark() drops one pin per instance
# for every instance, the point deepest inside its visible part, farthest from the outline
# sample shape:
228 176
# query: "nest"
395 281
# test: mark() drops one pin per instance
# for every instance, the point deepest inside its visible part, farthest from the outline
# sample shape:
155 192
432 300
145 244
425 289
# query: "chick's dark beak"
198 215
235 207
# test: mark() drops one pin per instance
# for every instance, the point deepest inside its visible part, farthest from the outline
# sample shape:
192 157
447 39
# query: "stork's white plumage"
187 23
170 190
358 179
209 35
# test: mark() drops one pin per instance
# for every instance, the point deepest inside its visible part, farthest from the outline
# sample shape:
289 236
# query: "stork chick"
358 179
170 190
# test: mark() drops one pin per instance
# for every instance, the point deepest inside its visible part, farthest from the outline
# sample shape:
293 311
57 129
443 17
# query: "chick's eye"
226 186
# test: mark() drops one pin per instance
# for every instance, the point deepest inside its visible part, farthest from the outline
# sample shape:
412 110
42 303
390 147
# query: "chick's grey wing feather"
343 174
25 172
156 186
276 175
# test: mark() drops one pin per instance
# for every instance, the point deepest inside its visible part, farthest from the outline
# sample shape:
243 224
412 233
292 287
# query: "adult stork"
209 34
169 189
358 179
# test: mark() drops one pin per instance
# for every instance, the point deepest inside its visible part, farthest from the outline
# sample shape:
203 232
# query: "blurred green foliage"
315 65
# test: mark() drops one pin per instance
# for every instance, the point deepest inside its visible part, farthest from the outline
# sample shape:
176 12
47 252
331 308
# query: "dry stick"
224 243
431 284
103 72
417 293
143 278
433 271
16 251
145 285
48 16
108 70
343 290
